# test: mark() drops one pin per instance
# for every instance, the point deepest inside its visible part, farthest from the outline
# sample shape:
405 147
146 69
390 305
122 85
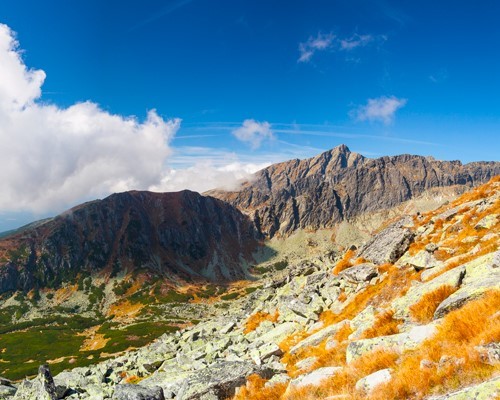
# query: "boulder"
313 378
360 273
7 391
319 336
137 392
481 275
390 244
399 342
370 382
221 378
401 305
40 388
483 391
280 332
422 260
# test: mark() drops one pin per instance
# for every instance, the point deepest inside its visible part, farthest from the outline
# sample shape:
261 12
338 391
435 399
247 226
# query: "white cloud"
206 174
355 41
253 132
56 157
380 109
313 44
331 42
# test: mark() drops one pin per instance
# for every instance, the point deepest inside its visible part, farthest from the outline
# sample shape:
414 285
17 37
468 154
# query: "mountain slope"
401 319
180 234
339 184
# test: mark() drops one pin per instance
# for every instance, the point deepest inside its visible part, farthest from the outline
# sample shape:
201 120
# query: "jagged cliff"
179 234
339 184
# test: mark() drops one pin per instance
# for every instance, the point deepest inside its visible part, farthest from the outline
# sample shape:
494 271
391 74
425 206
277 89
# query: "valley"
141 289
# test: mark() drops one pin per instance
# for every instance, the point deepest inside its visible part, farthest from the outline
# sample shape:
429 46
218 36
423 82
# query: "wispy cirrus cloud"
381 109
253 132
313 44
331 42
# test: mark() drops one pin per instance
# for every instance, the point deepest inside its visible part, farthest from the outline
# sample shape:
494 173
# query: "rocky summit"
338 185
412 313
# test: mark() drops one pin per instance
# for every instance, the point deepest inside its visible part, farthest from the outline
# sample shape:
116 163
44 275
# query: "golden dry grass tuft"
345 262
253 322
255 390
423 310
477 322
384 325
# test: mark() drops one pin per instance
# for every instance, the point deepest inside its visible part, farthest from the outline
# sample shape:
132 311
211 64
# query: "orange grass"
384 325
344 263
255 390
423 310
256 319
461 331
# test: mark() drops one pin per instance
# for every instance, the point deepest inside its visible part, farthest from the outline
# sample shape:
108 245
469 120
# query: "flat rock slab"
398 342
401 305
137 392
484 391
370 382
390 244
360 273
422 260
314 378
481 275
318 337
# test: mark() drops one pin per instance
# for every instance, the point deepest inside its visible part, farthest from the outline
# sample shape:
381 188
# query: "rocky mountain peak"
338 185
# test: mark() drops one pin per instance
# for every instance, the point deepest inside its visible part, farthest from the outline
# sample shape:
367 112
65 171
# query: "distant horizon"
102 97
10 225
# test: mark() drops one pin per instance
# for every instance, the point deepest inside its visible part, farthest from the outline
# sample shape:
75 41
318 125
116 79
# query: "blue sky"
384 77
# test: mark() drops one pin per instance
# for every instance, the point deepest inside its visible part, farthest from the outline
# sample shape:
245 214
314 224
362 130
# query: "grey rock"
360 273
390 244
314 378
483 391
137 392
318 337
40 388
480 276
370 382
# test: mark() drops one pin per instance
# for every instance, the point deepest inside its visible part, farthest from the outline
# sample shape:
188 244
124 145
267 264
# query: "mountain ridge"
336 185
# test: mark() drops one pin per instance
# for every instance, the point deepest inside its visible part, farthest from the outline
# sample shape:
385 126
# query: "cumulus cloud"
380 109
331 42
54 157
253 132
206 174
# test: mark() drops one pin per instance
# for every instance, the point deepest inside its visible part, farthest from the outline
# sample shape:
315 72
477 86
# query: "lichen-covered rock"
399 342
422 260
390 244
481 275
483 391
370 382
360 273
7 391
40 388
319 336
401 305
313 378
137 392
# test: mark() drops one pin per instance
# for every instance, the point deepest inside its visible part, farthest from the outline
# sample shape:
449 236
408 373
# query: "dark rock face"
338 184
172 234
